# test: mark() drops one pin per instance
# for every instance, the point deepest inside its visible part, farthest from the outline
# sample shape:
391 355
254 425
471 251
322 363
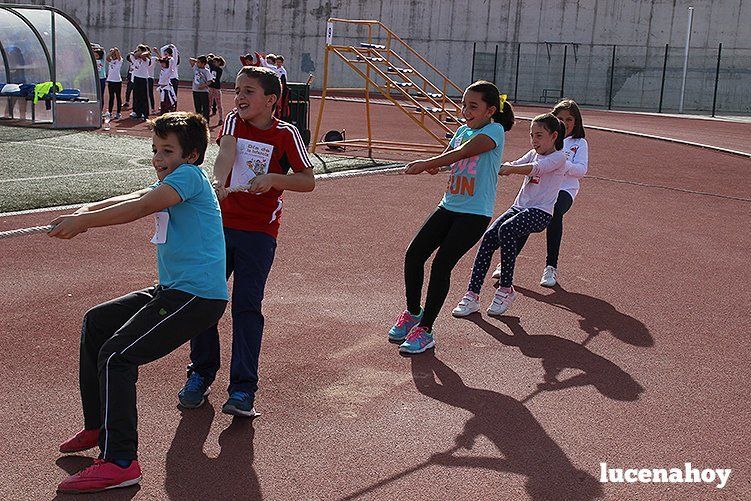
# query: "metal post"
612 73
495 62
716 78
563 73
474 49
685 57
664 69
516 79
53 35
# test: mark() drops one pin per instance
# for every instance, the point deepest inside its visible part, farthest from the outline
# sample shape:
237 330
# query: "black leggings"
453 234
201 103
554 233
115 88
150 85
140 97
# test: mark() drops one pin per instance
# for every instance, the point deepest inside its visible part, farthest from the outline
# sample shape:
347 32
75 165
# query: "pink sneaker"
81 441
101 476
502 301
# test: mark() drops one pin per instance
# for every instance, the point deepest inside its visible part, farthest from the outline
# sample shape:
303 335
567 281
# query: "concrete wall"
444 32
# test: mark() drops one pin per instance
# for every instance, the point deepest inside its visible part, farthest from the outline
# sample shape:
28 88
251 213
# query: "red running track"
639 360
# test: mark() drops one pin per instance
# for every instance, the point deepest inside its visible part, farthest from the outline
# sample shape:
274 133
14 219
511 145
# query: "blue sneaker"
195 390
403 325
240 404
418 340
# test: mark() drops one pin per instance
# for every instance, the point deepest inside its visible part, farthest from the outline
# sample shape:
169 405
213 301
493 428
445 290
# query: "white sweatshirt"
577 162
541 186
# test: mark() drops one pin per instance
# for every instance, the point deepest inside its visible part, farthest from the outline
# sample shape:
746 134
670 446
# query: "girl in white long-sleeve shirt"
543 168
577 161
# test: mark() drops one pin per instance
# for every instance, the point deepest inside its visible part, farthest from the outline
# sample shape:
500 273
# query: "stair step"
391 69
429 109
450 119
373 59
372 45
404 84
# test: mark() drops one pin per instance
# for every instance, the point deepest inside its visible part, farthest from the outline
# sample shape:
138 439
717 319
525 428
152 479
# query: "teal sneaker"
418 340
404 323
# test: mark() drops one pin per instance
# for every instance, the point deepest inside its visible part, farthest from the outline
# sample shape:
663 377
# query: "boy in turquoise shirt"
122 334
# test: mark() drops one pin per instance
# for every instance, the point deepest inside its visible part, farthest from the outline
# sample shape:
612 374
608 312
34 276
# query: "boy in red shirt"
256 149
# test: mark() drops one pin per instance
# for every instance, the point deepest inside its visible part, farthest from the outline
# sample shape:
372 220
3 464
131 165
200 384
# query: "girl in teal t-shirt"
474 155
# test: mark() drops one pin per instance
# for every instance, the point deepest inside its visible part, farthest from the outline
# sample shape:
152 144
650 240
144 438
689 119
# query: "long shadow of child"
597 316
526 447
191 474
558 354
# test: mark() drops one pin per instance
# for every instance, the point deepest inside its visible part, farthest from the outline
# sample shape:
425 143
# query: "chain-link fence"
619 76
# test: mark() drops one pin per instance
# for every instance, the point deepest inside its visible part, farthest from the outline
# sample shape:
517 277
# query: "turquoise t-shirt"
193 256
473 182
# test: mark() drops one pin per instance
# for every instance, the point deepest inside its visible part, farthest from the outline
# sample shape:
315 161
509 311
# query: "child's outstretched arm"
135 206
578 167
299 181
478 145
527 166
223 164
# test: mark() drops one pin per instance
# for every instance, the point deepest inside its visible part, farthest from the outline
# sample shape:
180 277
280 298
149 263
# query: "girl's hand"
415 167
67 227
505 170
261 184
433 170
220 190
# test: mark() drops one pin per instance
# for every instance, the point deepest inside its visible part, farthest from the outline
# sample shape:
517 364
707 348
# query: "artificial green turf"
86 160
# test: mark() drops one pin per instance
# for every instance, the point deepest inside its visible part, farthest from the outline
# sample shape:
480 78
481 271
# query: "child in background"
282 73
141 59
129 81
172 53
167 97
216 66
114 80
101 69
201 80
577 161
474 155
543 167
250 134
122 334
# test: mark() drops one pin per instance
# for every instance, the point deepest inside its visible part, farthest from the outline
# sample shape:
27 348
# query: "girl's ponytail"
504 116
561 134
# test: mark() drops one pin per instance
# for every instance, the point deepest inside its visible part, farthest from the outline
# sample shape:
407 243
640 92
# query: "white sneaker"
497 272
133 115
549 277
501 302
469 304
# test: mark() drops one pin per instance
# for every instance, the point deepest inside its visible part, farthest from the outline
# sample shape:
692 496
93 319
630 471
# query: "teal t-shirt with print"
473 181
193 258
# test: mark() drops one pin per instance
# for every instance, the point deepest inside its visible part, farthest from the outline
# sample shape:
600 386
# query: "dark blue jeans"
249 256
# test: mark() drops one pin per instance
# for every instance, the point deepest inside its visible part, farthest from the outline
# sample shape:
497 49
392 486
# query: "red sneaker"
101 476
81 441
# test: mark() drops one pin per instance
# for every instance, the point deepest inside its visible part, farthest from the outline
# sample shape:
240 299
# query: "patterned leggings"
505 233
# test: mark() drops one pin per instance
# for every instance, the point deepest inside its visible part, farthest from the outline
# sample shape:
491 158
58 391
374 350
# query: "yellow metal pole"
323 97
367 92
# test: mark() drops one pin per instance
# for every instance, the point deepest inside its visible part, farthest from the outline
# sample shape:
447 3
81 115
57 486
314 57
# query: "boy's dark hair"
503 115
191 130
280 58
202 59
168 50
573 108
551 123
266 77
